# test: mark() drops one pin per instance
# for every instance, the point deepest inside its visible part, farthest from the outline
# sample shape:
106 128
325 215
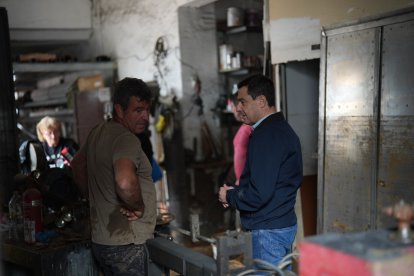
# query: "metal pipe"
188 233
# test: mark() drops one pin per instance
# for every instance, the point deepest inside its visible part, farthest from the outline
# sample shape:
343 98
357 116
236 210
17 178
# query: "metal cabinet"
90 108
396 129
366 122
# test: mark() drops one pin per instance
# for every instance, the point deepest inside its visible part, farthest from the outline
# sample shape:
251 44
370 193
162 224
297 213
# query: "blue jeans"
121 260
271 245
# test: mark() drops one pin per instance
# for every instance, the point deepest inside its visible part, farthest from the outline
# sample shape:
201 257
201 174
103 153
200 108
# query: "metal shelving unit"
26 80
245 40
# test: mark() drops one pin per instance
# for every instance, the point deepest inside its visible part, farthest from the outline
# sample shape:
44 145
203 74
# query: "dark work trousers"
121 260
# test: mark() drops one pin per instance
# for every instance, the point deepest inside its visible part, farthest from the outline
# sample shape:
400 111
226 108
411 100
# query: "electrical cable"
283 260
136 57
162 77
270 266
254 272
185 63
247 272
160 53
284 264
189 111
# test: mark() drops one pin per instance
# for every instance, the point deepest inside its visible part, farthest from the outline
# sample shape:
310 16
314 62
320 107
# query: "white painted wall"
127 30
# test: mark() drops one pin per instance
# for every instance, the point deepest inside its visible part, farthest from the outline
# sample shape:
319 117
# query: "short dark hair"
259 85
129 87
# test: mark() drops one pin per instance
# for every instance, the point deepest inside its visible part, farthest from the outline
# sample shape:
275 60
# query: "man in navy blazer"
272 175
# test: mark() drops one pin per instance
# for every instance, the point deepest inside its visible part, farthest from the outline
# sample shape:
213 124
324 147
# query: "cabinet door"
89 111
396 139
350 130
368 124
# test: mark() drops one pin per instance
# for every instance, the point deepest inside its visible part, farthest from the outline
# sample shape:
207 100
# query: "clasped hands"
222 196
131 214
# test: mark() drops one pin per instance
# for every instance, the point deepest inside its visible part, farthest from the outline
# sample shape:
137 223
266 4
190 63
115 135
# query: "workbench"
61 256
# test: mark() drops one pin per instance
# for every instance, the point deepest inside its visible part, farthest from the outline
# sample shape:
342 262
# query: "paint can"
234 17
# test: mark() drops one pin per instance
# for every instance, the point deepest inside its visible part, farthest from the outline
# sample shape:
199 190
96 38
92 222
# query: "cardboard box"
89 83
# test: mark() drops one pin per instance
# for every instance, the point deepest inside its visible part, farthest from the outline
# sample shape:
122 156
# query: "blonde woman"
59 151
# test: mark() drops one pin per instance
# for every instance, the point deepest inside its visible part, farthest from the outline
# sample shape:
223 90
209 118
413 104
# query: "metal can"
225 56
234 17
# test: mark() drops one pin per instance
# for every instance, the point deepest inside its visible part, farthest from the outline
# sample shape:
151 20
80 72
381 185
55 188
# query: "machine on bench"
166 255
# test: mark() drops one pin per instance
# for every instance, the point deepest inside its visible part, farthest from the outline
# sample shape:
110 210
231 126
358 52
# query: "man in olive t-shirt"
113 172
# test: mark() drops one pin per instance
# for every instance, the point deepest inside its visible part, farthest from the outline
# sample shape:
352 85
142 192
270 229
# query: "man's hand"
222 195
131 214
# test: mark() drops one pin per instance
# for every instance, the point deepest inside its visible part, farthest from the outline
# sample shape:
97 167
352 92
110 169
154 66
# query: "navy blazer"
273 173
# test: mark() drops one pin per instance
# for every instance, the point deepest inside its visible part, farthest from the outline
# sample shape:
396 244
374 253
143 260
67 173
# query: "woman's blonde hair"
45 124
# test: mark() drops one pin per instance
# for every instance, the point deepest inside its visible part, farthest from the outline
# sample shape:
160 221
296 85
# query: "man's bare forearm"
127 185
129 191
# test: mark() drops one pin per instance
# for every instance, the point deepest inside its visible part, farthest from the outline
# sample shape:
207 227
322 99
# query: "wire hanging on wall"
196 100
136 57
160 53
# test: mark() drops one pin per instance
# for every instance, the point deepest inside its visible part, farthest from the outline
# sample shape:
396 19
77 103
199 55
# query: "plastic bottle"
32 212
15 215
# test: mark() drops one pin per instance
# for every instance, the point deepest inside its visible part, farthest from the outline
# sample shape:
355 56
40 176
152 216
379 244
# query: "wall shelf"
235 71
44 103
239 29
240 71
244 29
20 67
65 115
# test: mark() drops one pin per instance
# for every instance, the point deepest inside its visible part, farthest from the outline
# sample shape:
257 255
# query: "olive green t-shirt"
106 143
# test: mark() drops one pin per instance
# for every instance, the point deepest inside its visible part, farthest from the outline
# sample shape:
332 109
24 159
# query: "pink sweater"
240 143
